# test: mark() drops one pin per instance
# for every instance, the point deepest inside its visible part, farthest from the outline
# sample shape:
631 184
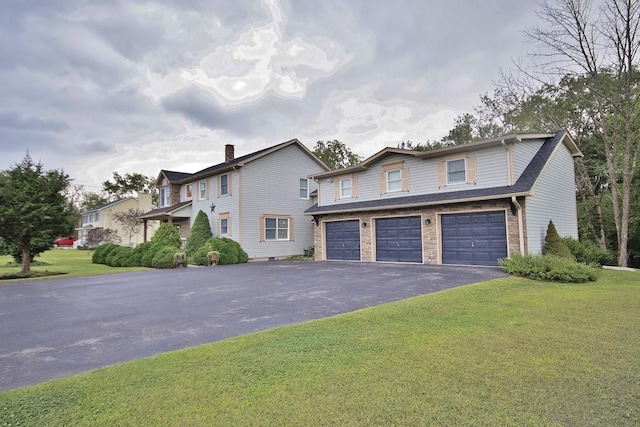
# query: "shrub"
167 235
139 251
200 233
588 252
554 245
101 252
309 252
122 258
180 259
163 257
230 252
200 257
549 268
113 255
149 253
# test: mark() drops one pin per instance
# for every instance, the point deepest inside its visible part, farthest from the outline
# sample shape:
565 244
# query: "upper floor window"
456 171
304 188
394 180
164 196
346 188
187 191
202 190
224 184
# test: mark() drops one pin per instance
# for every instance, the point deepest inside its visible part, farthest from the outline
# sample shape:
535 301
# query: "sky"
96 87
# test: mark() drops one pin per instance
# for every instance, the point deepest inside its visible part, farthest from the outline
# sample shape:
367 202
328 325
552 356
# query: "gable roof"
107 205
183 178
453 149
522 187
165 211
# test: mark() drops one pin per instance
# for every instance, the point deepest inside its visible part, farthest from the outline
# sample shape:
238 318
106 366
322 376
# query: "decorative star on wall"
213 208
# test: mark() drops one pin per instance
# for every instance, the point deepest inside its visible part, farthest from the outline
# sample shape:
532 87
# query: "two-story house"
467 204
257 199
94 222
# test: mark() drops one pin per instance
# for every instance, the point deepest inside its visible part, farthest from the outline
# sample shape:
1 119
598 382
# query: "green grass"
506 352
71 262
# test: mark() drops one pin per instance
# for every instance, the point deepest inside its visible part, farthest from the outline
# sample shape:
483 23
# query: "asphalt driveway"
55 328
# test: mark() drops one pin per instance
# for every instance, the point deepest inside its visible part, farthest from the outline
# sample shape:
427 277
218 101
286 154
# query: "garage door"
474 238
399 239
343 240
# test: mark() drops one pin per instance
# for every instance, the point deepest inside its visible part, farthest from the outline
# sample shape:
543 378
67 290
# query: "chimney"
228 153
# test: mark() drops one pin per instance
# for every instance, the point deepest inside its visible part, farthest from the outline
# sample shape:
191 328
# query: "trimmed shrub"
200 233
149 253
139 251
163 257
113 255
549 268
101 252
167 235
554 245
200 257
588 252
230 252
122 258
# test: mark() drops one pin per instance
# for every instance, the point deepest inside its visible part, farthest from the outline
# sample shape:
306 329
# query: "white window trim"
399 180
228 184
166 200
277 229
464 180
342 188
305 189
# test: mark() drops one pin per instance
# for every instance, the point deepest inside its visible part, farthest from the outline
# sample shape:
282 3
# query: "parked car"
64 241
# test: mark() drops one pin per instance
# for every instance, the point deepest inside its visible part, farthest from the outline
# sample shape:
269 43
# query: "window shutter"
442 174
262 237
336 188
216 182
229 180
354 186
471 170
291 228
405 179
383 182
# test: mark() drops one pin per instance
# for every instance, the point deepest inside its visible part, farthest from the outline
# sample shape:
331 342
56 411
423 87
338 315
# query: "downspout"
520 221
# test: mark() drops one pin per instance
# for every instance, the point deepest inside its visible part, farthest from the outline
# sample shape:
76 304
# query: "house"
257 199
95 222
468 204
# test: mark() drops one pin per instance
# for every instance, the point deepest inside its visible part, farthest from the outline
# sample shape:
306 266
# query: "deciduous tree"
335 154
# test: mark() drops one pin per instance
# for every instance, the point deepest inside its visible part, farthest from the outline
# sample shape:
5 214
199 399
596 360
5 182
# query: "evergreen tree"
554 245
167 235
200 233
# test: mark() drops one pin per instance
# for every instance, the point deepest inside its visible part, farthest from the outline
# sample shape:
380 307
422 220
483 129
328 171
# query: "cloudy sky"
137 86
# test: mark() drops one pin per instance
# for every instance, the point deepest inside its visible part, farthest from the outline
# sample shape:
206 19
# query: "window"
224 184
456 171
202 190
394 180
276 228
164 196
346 186
304 188
187 191
224 226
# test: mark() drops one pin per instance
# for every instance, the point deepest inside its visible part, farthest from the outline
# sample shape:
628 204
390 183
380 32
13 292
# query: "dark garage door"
343 240
474 238
399 239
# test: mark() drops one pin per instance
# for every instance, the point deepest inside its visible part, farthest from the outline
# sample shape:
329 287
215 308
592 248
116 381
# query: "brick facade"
430 232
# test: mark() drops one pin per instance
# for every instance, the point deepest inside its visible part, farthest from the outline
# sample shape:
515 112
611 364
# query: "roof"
107 205
453 149
522 187
183 178
165 211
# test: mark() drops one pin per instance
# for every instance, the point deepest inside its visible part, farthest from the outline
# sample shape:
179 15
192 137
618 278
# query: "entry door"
399 239
478 238
342 239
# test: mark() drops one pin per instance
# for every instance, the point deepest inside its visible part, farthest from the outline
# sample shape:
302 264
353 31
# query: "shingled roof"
522 187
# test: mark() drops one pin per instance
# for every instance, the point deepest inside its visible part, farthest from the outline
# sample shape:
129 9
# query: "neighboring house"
468 204
96 221
258 199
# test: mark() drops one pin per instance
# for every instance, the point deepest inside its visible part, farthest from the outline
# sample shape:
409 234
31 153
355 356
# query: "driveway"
55 328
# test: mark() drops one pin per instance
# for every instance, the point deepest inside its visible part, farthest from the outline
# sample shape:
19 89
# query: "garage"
478 238
343 240
399 239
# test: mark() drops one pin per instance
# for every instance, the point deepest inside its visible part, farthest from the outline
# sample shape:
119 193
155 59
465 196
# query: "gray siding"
523 152
554 198
270 185
491 171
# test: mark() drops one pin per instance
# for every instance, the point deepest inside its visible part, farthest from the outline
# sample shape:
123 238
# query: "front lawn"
506 352
71 262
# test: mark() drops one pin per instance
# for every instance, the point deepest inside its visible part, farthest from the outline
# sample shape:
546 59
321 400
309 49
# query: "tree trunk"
26 258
